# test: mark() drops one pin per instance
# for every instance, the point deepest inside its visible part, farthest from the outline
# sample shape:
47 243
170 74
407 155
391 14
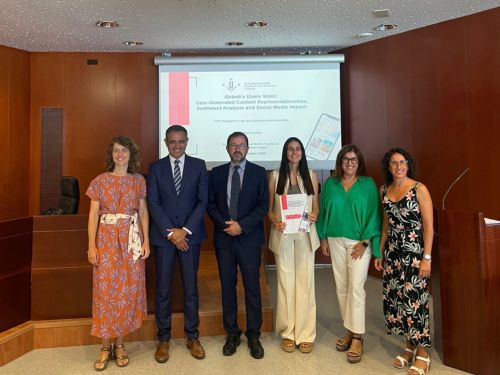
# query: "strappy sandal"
103 361
420 371
288 345
121 357
354 354
403 362
344 343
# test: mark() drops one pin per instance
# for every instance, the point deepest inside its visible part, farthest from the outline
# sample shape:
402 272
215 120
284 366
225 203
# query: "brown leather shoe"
161 354
197 350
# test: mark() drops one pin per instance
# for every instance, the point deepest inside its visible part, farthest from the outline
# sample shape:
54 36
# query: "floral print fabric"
406 295
119 288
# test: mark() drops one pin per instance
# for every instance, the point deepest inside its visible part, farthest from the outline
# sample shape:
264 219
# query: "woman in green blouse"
349 229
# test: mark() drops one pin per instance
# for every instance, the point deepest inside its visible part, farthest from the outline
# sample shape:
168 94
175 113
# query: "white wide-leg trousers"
296 301
350 278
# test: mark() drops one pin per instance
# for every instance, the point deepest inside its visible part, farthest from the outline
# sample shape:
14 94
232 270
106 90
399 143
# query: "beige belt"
134 237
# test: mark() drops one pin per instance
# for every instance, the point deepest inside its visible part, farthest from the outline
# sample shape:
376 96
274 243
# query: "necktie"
235 193
177 176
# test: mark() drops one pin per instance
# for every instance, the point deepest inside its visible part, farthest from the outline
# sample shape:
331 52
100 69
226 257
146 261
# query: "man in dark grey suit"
238 203
177 192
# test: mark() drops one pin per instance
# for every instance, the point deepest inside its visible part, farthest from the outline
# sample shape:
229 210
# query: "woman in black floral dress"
407 235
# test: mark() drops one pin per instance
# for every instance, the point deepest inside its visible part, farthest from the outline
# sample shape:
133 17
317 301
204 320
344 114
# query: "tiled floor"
378 346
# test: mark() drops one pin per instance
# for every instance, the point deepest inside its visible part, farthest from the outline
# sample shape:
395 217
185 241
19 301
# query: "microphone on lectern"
453 184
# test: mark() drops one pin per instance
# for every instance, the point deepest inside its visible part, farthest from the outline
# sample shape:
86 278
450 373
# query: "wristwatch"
427 257
365 244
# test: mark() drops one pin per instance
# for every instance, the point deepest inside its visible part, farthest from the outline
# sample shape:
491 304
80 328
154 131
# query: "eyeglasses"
234 146
346 160
173 143
395 163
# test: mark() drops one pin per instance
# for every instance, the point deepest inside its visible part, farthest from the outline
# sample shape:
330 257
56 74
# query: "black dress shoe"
256 349
232 342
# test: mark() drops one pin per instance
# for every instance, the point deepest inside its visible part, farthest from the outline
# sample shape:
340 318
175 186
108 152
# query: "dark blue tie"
235 193
177 176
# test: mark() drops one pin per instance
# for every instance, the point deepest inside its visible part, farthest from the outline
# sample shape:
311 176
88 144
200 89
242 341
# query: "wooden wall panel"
81 145
14 132
453 126
149 108
129 97
4 132
424 109
47 90
434 91
118 96
15 272
483 78
61 274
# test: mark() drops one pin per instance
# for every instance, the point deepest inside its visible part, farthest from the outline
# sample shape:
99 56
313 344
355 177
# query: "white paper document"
491 221
294 213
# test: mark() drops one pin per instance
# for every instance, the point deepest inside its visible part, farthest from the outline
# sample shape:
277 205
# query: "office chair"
70 197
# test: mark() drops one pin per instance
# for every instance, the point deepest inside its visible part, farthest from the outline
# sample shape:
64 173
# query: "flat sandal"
123 357
418 370
104 362
403 362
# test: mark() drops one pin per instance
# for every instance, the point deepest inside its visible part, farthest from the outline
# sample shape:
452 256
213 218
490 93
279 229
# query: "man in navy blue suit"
238 203
177 193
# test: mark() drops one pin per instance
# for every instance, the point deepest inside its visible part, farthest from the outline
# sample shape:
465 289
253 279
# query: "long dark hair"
285 169
339 172
411 173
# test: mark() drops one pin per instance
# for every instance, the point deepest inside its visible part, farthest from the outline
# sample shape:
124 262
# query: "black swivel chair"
70 198
70 195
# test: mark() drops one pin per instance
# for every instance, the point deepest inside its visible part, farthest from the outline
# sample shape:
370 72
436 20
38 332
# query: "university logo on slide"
230 86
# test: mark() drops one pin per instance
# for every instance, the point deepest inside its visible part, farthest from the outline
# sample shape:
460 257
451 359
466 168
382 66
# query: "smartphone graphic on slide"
324 137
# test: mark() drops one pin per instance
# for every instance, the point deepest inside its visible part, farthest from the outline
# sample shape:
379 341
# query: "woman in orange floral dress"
118 244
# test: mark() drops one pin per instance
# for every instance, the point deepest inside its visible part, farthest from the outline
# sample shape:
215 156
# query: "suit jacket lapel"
170 175
246 177
224 180
185 174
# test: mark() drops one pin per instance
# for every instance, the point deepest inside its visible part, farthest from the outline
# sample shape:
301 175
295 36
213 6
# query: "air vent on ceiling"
381 13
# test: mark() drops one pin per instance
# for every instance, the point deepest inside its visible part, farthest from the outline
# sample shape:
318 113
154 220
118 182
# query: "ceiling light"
385 27
365 35
256 24
234 44
133 43
107 24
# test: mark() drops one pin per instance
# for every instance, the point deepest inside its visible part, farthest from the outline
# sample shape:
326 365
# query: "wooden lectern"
466 292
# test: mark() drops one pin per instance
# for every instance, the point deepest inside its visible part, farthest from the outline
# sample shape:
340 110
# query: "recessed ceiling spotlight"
132 43
107 24
234 44
365 35
385 27
256 24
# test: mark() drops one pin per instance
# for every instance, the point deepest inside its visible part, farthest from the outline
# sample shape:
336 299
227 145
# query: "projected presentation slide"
269 106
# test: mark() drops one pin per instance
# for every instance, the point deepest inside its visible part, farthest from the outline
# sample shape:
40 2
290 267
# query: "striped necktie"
177 177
